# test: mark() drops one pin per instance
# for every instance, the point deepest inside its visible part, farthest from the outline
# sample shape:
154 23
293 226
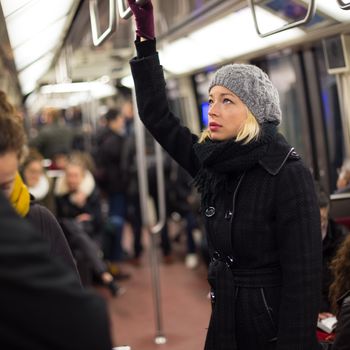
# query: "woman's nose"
213 109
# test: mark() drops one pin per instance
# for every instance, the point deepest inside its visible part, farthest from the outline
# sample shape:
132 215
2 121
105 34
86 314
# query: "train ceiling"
49 47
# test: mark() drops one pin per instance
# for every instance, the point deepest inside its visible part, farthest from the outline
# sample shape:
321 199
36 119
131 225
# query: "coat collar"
278 153
344 298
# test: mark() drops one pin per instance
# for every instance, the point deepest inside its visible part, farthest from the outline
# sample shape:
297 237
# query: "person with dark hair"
257 197
111 180
332 236
42 303
340 295
12 151
35 178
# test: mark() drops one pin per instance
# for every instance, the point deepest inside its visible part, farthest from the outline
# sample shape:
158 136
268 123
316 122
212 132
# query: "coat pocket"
264 323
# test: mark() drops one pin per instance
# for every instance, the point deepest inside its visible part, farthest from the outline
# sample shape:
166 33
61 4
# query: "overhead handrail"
97 37
310 13
124 12
343 5
146 214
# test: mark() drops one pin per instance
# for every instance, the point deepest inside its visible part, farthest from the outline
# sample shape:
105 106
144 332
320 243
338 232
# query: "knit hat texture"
253 87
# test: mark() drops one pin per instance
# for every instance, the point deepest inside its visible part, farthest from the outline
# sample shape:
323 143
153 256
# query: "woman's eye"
226 100
210 101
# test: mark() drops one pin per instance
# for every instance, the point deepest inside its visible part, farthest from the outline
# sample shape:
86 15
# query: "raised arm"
152 101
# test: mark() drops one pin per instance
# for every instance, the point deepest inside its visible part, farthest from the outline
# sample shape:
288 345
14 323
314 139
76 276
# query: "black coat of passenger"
47 225
108 158
66 209
42 303
342 339
268 296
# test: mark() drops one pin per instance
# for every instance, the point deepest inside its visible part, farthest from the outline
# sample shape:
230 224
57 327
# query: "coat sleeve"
154 112
42 304
299 243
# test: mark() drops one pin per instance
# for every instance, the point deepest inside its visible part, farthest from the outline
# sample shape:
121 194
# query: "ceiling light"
230 37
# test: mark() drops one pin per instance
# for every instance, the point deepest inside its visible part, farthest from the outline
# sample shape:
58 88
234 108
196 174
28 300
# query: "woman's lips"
214 126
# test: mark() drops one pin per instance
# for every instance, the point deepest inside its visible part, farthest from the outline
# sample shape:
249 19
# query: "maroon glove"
143 18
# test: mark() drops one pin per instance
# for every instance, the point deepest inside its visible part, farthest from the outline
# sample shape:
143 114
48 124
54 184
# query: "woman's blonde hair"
249 132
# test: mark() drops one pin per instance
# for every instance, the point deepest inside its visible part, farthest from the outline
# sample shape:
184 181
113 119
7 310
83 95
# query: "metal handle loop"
97 37
124 11
310 13
343 6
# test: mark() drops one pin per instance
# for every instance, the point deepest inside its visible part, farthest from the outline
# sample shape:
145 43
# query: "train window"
176 12
204 114
331 116
337 50
201 82
282 73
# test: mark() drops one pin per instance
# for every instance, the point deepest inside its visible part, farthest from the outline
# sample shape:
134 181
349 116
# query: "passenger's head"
32 168
340 267
127 110
75 171
323 202
12 144
344 175
51 115
241 99
115 120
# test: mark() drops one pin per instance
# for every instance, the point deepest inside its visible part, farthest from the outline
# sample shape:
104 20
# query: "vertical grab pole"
145 212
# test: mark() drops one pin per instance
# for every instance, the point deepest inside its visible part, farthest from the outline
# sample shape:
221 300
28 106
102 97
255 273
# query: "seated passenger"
12 143
77 196
79 213
39 184
343 182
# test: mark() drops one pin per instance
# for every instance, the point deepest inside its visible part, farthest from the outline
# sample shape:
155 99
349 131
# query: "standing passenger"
258 201
55 138
111 179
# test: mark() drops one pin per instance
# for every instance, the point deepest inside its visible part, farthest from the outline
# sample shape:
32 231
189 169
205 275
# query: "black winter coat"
44 221
66 209
269 296
42 303
108 158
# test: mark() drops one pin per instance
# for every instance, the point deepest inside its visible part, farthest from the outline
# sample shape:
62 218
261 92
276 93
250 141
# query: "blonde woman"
258 202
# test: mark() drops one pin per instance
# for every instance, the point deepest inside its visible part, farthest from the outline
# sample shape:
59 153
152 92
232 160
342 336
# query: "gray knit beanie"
253 87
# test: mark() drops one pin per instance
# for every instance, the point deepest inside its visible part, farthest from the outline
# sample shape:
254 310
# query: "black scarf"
222 161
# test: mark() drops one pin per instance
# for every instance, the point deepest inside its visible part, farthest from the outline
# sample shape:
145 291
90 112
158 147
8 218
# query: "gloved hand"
143 18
